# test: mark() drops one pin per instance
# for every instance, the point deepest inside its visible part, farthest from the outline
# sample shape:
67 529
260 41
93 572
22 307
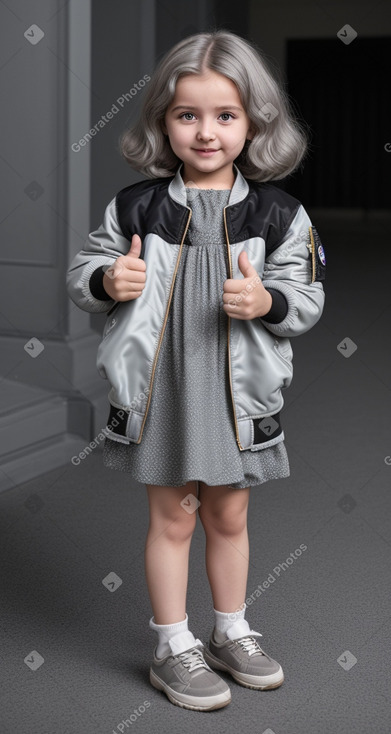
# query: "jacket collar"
239 191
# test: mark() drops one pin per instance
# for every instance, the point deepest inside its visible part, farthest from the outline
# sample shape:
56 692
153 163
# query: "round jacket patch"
322 256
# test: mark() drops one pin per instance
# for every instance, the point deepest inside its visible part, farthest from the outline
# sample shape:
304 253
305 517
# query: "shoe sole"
259 682
190 702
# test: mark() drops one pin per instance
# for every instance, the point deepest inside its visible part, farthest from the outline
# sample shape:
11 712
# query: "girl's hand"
125 279
246 298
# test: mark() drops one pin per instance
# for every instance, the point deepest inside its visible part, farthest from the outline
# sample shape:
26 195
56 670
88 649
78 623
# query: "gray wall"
45 210
49 385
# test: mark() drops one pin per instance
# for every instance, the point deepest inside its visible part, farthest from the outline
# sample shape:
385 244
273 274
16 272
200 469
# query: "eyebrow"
222 107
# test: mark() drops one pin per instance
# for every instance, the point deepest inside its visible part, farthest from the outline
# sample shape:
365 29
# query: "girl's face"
207 113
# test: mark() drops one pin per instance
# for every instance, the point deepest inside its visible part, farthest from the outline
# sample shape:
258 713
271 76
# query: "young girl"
205 271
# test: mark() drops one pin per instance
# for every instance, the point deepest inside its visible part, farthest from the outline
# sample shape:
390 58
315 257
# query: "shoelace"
250 645
193 659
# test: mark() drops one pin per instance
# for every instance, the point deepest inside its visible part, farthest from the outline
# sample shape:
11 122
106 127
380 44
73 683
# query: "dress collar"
239 191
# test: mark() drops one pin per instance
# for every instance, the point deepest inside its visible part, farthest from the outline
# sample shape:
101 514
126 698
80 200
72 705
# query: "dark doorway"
343 93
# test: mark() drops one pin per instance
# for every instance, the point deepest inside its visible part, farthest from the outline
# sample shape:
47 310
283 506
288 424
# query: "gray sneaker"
246 661
188 681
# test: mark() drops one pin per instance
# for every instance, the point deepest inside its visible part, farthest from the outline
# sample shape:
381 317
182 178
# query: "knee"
177 527
226 521
168 514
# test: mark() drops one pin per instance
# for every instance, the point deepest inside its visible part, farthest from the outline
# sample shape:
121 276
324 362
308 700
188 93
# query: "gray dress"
191 385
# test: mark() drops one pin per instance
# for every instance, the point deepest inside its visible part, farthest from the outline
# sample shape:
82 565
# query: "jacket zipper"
228 344
311 247
163 327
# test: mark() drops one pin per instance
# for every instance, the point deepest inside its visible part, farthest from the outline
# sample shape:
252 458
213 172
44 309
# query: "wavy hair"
280 141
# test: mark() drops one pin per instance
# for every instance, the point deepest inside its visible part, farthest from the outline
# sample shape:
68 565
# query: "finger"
125 294
233 313
131 262
232 298
235 285
245 266
134 276
135 247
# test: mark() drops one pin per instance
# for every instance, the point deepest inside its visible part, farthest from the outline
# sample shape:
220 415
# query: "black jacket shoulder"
144 207
267 212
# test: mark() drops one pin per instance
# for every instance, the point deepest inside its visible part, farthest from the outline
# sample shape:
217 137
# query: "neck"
220 180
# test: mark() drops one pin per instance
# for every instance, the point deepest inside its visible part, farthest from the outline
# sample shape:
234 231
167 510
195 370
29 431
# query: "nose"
205 131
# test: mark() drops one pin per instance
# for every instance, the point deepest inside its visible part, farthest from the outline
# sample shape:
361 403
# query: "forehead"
195 86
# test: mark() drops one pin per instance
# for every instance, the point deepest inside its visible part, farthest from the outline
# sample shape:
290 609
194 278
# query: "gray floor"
326 613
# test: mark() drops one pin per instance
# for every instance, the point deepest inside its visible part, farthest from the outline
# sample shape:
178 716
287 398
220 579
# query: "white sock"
226 620
173 638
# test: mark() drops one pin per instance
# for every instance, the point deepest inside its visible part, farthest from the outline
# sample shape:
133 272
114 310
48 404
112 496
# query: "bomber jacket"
285 250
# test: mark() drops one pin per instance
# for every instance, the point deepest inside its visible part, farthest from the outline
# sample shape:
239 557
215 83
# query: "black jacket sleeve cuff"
279 307
96 285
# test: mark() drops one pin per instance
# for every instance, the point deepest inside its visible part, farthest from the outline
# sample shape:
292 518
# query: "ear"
250 132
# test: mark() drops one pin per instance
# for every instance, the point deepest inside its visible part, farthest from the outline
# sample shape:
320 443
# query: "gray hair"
279 143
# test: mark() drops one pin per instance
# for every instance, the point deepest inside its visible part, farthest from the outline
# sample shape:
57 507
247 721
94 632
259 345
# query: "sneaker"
245 660
188 681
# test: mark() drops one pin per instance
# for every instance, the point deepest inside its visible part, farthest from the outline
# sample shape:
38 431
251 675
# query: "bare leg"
223 513
167 550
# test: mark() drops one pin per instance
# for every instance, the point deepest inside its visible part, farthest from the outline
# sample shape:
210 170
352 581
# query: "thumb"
245 266
135 247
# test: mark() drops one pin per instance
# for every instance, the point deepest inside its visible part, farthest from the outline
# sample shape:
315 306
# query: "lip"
206 151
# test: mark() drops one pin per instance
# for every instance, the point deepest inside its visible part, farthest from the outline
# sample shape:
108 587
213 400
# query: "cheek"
234 145
180 135
234 137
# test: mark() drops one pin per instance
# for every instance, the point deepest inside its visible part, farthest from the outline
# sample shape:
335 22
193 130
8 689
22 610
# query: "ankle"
226 620
173 638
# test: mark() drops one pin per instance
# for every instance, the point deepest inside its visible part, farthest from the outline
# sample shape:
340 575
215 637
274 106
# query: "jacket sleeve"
85 274
296 268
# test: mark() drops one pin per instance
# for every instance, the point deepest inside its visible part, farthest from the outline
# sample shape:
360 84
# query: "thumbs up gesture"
125 279
246 298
